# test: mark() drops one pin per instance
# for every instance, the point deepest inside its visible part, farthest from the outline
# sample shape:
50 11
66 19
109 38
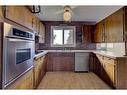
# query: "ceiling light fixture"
36 9
67 15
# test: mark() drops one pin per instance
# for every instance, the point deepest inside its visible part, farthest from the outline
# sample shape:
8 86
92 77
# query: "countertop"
104 53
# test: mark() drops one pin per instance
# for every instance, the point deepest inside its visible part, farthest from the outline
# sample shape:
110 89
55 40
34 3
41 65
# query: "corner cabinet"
24 82
112 71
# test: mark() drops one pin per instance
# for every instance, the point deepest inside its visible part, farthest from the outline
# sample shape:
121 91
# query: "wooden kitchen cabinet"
88 33
99 34
59 61
107 70
1 13
112 71
42 33
94 64
37 26
20 15
1 50
39 70
114 27
24 82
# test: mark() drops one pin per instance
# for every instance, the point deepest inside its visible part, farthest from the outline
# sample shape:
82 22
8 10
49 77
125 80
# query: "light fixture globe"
67 13
67 16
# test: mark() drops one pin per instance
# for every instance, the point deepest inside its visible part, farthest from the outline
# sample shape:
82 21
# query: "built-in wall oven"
18 52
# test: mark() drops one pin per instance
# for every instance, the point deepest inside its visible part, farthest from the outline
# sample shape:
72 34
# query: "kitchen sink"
37 52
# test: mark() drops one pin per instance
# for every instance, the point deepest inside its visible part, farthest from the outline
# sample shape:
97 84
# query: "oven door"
18 58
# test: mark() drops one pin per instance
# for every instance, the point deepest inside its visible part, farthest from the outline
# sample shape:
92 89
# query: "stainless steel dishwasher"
82 61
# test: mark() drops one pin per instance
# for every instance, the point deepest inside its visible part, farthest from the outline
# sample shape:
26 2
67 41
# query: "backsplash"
79 43
118 48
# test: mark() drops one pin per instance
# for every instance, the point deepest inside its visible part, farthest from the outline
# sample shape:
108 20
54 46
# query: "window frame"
63 28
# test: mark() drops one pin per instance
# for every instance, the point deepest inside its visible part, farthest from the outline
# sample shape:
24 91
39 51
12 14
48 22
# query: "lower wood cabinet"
39 70
107 69
112 71
24 82
59 61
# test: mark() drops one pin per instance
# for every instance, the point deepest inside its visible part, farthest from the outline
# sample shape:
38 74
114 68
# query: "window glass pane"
57 37
68 36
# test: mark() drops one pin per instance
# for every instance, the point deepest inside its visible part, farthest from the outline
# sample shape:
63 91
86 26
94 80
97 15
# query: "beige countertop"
104 53
110 54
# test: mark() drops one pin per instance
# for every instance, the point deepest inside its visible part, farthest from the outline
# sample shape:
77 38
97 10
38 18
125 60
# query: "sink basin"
36 52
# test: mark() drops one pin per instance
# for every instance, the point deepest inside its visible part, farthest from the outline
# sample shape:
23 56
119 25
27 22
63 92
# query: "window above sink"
63 36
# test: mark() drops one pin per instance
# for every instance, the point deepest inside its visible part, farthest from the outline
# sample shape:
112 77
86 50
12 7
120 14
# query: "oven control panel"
21 33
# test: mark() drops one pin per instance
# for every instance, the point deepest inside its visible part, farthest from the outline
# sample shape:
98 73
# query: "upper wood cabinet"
1 13
20 15
37 26
87 33
99 32
41 33
114 27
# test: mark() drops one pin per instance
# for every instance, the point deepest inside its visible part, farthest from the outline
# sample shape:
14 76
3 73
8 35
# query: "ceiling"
80 13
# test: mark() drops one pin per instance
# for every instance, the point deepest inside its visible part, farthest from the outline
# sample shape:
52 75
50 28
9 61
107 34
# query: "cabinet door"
39 70
110 71
99 32
95 64
20 15
87 33
114 27
60 61
1 13
24 82
42 33
107 69
37 26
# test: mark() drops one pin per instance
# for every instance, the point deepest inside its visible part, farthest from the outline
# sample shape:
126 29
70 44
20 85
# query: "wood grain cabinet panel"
99 32
107 69
39 70
37 26
20 15
1 13
41 33
24 82
114 27
59 61
112 71
88 31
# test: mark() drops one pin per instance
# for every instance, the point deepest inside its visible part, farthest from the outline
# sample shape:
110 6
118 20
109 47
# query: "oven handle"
19 40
